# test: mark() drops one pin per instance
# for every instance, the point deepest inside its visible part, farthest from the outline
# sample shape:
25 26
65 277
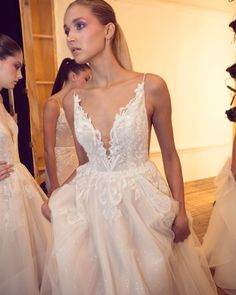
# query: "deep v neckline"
6 126
118 115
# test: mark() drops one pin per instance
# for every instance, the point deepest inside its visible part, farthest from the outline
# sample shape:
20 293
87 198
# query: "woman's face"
10 70
80 79
85 34
83 78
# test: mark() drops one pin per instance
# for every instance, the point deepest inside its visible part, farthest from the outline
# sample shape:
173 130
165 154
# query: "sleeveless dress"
219 243
23 230
112 222
66 157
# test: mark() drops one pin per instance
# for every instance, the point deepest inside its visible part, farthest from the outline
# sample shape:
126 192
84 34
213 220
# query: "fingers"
181 236
46 211
181 229
5 170
15 117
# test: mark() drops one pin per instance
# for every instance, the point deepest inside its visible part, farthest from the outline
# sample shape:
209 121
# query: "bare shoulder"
156 91
154 84
52 105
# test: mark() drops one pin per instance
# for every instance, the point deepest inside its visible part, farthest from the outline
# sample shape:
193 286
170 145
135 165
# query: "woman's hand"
15 118
180 227
46 210
5 170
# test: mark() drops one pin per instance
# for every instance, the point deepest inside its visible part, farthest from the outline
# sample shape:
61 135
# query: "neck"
105 69
63 92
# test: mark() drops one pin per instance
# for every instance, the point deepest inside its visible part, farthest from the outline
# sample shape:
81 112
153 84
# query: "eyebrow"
74 21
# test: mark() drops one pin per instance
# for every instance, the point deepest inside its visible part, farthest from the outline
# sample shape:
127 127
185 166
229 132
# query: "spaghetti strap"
144 76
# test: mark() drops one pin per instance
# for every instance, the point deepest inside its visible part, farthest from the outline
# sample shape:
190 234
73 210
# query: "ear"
109 30
73 77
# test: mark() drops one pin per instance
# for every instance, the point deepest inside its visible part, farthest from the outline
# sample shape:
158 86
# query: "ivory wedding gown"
112 222
219 243
66 158
23 229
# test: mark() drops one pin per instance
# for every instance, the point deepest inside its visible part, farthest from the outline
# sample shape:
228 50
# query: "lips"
75 51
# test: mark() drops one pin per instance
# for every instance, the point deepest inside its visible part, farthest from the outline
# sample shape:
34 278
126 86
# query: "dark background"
10 24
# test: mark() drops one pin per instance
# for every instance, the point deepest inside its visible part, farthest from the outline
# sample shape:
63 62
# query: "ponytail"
68 65
61 76
121 50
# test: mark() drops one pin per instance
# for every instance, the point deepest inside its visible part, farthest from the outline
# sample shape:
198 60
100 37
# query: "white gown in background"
112 222
23 229
66 158
219 243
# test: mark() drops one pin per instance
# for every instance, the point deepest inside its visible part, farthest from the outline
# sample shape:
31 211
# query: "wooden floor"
199 197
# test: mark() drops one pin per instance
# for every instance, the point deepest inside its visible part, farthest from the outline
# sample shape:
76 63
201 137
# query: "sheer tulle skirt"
23 234
219 243
112 236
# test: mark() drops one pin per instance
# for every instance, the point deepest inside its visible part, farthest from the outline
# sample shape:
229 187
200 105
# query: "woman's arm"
50 116
159 99
68 106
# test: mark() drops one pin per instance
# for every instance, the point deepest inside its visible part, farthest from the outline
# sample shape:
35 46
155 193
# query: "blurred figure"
60 155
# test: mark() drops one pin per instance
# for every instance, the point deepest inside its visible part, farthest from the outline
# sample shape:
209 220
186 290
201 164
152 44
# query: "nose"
70 36
19 75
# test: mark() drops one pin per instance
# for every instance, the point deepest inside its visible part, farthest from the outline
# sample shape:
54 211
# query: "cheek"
81 81
94 38
8 73
12 72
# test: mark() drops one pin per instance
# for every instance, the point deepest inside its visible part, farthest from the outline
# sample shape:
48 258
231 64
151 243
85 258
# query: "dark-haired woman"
23 231
60 155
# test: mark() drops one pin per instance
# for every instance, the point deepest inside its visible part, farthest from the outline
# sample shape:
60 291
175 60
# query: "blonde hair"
105 14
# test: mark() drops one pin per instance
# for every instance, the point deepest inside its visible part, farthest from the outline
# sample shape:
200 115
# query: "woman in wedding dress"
23 231
219 243
60 155
118 228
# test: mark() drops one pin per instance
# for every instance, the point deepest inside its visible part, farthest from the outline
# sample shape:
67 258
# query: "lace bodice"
8 137
64 137
128 136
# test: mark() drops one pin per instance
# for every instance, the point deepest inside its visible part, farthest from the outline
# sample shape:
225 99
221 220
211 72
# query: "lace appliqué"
11 205
116 173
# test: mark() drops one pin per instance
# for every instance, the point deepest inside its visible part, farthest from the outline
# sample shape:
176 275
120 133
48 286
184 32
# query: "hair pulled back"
8 47
67 66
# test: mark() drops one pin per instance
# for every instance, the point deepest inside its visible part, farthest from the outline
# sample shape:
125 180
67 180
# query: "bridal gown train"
112 222
23 229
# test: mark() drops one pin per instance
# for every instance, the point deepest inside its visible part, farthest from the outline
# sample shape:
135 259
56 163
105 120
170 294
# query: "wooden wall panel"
40 58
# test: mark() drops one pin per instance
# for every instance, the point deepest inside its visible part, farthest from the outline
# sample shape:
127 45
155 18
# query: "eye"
66 31
18 66
80 25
